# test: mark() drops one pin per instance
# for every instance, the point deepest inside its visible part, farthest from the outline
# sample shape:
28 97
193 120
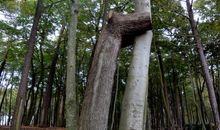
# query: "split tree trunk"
95 109
204 64
134 102
21 96
70 101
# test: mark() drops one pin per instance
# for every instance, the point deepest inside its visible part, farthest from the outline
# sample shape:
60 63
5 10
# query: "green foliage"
172 36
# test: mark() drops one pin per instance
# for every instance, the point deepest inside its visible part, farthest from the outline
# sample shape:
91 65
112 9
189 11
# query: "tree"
71 102
204 64
48 93
21 96
134 101
95 109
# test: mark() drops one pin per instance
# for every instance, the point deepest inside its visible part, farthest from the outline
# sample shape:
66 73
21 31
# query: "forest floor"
33 128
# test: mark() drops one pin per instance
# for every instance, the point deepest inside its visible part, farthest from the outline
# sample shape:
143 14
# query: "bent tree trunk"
134 101
21 96
95 109
204 64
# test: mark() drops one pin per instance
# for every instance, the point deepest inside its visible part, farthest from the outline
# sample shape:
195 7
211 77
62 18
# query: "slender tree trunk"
70 101
164 89
20 100
204 64
38 87
48 93
132 117
95 109
186 105
177 97
34 95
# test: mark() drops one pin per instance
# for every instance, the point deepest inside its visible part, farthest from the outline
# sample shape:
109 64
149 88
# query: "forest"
110 64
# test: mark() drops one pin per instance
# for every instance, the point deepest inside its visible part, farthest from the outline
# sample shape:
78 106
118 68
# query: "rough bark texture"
134 101
20 100
95 109
204 64
70 101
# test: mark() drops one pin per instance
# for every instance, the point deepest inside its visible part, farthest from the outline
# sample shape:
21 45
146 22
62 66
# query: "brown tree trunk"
95 109
204 64
48 92
39 91
20 100
164 90
34 95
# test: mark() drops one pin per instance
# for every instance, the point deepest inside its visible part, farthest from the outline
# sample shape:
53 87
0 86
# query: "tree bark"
95 109
134 101
20 100
204 64
70 101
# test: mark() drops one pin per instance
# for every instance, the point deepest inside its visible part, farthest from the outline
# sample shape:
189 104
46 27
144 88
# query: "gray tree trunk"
71 102
134 101
204 64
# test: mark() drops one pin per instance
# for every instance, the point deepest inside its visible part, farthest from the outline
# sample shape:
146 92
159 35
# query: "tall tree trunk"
186 105
95 109
177 96
132 117
39 91
70 101
164 89
204 64
48 92
34 95
21 95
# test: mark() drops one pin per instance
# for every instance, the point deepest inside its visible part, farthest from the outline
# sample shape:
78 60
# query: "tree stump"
119 32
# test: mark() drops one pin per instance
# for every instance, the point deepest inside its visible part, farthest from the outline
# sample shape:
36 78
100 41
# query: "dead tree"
119 32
